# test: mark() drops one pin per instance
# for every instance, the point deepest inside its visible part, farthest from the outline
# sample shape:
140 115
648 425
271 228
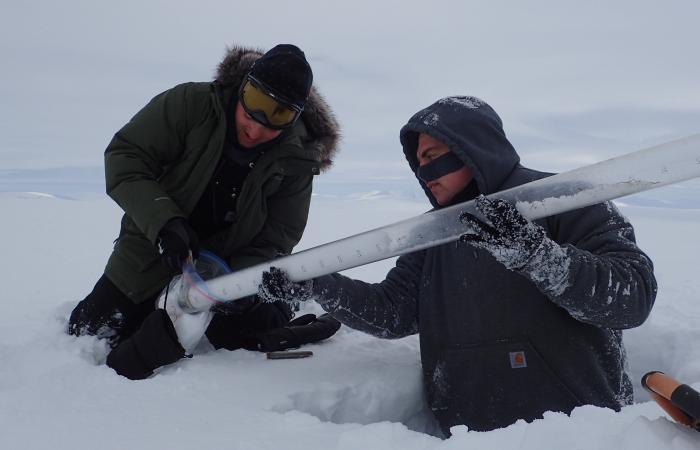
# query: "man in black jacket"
518 317
225 166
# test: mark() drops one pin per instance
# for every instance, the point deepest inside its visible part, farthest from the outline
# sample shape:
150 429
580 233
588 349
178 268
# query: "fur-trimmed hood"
320 122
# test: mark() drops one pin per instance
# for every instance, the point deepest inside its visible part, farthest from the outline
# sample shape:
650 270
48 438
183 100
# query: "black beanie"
285 71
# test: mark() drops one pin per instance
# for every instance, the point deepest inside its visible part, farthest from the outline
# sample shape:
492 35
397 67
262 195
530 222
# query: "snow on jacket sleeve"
137 155
593 268
387 310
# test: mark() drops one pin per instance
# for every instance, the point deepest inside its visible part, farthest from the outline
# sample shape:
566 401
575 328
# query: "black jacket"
499 345
159 164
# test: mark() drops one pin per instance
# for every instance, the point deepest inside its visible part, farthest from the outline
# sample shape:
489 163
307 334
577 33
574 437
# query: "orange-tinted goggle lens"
266 109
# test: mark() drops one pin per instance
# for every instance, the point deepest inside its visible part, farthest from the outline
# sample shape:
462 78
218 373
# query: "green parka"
159 164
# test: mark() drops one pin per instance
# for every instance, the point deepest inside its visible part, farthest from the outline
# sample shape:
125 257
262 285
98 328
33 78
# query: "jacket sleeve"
387 310
593 268
138 154
287 213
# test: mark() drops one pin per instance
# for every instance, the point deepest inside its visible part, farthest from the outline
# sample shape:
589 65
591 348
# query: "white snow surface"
574 82
356 392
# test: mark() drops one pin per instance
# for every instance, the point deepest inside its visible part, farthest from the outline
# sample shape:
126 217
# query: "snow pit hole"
364 404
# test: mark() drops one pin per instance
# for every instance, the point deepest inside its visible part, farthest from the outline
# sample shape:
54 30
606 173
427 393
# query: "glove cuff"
548 268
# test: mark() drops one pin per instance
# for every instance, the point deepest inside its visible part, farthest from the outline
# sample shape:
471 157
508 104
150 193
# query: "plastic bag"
190 326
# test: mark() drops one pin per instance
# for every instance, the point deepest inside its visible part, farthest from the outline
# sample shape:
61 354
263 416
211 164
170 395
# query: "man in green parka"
225 166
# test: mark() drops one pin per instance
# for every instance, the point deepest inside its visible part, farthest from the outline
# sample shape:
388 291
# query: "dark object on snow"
175 242
680 401
302 330
289 355
232 331
154 345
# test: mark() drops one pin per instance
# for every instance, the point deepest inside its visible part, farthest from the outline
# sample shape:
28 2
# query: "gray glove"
276 286
511 238
518 244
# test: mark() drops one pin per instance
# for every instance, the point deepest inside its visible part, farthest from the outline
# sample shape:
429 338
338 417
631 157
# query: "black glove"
233 331
175 242
511 238
276 286
302 330
237 307
155 344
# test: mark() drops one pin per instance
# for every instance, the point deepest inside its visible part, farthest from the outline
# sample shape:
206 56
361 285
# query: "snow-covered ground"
574 82
355 392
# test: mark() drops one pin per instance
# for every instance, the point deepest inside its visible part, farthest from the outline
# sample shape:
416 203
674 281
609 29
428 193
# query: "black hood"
473 131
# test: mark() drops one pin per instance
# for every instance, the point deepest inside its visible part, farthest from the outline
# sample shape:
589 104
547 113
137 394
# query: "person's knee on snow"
107 314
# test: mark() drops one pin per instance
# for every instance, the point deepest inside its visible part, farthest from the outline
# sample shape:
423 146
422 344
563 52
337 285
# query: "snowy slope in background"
355 392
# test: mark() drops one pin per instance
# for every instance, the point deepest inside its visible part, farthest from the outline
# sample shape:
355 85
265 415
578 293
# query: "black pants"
109 314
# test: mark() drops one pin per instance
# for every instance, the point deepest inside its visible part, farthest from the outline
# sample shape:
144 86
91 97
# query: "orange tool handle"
679 400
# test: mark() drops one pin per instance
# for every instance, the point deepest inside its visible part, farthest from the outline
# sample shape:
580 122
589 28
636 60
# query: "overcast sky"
574 81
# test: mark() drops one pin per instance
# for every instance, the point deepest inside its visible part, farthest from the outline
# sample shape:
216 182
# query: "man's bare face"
251 133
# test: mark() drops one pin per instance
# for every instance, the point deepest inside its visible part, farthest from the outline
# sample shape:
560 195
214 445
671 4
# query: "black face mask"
439 167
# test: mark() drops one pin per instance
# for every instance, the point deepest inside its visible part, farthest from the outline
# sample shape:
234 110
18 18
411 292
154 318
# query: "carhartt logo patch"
517 360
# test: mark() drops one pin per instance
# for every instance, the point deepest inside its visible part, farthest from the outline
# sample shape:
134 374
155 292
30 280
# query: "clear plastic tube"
658 166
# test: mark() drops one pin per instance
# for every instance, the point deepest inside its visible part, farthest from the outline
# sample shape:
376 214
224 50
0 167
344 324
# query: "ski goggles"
267 108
